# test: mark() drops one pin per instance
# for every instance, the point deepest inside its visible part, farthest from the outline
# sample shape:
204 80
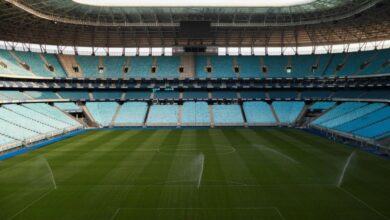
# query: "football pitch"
205 174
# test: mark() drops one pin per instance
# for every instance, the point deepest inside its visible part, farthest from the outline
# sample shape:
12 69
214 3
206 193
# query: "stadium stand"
166 95
138 95
35 62
114 66
338 111
195 114
168 67
258 113
358 119
89 65
163 115
13 95
276 66
27 123
316 94
282 94
74 94
224 95
54 62
11 65
102 112
252 94
140 67
131 114
227 115
67 106
322 105
249 66
41 94
107 94
195 95
288 112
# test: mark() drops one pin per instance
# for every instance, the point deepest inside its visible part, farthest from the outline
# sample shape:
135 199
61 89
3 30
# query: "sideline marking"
31 204
362 202
346 165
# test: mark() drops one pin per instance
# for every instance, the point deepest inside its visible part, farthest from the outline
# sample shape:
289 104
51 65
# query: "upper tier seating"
114 66
288 112
163 115
342 64
131 114
89 65
140 67
53 60
249 67
36 63
102 112
276 66
227 115
195 114
168 67
11 66
258 113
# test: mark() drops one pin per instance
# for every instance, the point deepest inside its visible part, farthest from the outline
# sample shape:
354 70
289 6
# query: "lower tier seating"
131 114
288 112
227 115
102 112
27 123
163 115
364 120
258 113
195 114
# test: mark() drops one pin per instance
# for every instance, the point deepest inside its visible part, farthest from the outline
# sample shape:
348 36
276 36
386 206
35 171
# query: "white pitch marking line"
275 152
115 214
346 165
364 203
31 204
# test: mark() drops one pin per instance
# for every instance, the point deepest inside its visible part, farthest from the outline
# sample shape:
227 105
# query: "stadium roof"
300 23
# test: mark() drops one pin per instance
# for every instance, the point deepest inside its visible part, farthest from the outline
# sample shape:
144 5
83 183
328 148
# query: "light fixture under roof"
194 3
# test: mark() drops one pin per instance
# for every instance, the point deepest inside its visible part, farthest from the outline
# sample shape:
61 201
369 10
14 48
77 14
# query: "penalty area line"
31 204
363 203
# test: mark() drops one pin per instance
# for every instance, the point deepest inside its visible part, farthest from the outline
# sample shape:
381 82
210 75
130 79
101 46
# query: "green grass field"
229 174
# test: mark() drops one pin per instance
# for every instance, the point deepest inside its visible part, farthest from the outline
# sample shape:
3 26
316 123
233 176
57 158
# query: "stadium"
196 110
